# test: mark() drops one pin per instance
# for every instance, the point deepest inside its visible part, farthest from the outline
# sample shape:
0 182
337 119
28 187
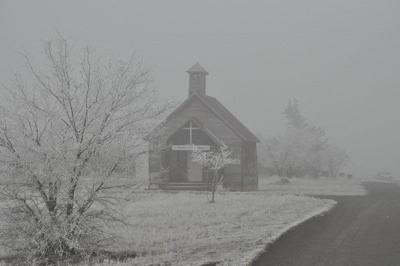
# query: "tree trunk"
52 198
71 195
214 185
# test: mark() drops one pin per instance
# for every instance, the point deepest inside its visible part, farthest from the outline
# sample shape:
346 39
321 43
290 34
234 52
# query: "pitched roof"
223 113
228 116
197 68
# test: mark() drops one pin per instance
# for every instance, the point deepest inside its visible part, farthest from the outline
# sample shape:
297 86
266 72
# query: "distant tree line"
303 150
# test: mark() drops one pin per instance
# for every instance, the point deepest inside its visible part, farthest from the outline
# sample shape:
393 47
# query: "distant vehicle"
384 176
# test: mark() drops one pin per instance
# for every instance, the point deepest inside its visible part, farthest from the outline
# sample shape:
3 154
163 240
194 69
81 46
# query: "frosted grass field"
310 186
184 229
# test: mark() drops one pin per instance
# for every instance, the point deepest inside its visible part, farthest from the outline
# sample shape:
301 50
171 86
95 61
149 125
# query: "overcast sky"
340 58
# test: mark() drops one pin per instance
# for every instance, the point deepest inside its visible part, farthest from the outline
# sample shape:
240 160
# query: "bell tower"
197 80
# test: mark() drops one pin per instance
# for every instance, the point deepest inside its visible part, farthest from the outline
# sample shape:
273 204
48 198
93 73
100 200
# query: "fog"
339 58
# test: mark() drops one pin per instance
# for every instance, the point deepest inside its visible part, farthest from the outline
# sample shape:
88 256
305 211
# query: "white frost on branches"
67 133
214 160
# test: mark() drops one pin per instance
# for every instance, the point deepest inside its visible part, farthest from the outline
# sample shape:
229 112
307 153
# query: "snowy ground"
184 229
310 186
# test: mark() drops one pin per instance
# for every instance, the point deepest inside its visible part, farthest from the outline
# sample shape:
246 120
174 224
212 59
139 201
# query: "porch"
188 185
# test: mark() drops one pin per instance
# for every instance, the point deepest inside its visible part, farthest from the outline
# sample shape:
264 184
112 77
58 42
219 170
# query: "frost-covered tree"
67 129
293 115
302 150
274 155
336 159
214 160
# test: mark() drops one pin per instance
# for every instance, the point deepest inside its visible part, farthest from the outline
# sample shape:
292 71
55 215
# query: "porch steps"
193 186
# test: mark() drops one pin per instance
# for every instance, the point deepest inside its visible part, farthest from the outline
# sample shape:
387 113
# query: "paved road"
358 231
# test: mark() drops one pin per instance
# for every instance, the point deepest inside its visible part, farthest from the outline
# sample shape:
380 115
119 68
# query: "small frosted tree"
214 160
66 131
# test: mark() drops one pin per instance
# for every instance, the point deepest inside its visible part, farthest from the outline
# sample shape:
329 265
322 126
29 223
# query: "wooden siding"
243 177
249 166
232 177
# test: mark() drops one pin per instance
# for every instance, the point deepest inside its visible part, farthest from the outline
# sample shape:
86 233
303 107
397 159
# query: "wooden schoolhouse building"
201 122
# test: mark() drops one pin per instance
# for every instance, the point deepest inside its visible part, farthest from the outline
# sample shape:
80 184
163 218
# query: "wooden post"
214 185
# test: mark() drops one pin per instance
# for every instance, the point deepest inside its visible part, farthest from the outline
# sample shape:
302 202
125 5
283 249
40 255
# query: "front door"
177 164
195 170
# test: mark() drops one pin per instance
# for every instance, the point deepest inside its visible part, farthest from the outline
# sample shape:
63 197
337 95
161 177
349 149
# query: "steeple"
197 80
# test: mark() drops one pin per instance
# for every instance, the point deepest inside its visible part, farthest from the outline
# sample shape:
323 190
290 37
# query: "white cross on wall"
191 128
